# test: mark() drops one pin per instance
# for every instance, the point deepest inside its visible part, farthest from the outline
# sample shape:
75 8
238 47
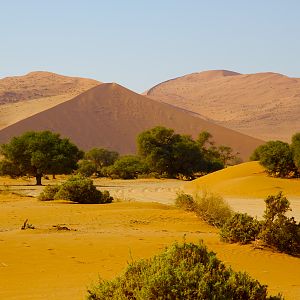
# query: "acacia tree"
38 153
169 153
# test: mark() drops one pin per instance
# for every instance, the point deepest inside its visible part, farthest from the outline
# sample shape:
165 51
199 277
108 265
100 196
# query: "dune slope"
112 116
24 96
264 105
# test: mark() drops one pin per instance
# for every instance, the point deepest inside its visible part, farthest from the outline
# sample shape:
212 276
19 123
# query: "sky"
139 43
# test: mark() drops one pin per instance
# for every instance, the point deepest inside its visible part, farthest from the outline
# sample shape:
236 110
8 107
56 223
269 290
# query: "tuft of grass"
185 202
212 208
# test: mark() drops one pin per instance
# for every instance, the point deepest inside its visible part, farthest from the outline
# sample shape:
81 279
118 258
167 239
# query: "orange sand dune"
245 186
264 105
24 96
111 116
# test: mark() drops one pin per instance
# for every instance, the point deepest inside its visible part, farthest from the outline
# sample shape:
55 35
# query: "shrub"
186 271
49 192
278 230
212 208
185 202
82 190
240 228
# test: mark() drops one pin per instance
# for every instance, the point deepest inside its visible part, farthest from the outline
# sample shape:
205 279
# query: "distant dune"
263 105
111 116
24 96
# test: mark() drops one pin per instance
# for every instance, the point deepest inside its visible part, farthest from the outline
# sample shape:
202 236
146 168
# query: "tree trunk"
38 178
53 176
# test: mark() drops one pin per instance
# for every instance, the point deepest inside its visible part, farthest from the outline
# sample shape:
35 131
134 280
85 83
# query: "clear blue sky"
139 43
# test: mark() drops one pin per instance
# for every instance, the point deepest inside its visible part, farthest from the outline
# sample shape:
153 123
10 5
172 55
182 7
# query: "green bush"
186 271
212 208
185 202
278 230
78 189
49 192
240 228
82 190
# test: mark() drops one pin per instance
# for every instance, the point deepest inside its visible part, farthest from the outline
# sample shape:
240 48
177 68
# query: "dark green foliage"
295 146
126 167
78 189
277 158
86 168
168 153
278 230
240 228
49 192
185 202
101 158
186 271
212 208
39 153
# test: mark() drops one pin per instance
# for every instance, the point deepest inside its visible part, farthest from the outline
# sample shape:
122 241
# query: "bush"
49 192
185 271
78 189
240 228
278 230
185 202
82 190
212 208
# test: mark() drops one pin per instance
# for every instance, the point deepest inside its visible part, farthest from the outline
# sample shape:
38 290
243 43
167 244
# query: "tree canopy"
38 153
279 158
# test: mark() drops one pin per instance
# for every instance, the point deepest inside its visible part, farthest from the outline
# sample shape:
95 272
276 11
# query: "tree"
276 157
127 167
169 153
295 146
101 157
38 153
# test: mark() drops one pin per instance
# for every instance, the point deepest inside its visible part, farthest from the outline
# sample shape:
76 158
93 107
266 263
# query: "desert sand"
245 186
24 96
263 105
112 116
47 263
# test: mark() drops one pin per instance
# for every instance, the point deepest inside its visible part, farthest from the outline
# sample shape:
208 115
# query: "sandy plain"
47 263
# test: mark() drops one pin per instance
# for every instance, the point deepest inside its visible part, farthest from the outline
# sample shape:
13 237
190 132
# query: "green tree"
169 153
38 153
101 157
277 158
127 167
295 146
86 168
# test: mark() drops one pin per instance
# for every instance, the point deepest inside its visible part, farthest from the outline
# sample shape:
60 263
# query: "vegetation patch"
186 271
77 189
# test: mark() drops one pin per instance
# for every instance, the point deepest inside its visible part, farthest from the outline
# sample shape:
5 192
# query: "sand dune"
111 116
264 105
245 186
24 96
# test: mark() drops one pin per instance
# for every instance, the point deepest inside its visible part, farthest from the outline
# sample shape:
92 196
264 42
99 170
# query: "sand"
45 263
263 105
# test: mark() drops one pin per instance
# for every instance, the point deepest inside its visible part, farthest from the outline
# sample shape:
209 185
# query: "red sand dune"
111 116
264 105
